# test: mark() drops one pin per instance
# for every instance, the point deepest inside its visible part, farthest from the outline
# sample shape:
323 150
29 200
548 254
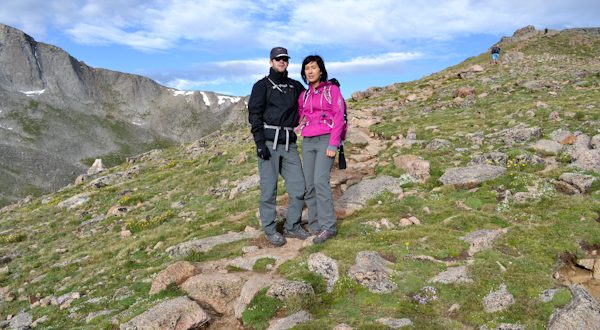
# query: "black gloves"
262 151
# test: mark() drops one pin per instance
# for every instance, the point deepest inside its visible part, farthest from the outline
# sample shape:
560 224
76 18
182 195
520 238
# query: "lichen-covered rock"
471 176
176 314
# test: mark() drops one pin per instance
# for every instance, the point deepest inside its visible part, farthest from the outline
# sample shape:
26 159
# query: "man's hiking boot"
298 233
323 236
276 239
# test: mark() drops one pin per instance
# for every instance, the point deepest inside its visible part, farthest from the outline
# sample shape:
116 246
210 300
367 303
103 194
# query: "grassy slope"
114 273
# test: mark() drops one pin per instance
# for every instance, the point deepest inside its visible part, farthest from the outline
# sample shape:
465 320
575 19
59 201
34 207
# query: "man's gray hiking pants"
317 172
286 163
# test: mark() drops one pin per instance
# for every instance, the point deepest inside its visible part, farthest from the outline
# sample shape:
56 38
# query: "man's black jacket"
271 106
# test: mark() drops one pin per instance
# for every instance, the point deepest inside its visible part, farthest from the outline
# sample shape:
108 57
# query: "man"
495 54
273 114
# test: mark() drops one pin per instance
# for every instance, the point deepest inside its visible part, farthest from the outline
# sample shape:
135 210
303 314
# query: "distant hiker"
322 123
495 54
273 114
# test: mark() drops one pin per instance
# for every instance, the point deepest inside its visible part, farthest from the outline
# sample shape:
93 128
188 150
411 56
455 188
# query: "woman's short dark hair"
320 63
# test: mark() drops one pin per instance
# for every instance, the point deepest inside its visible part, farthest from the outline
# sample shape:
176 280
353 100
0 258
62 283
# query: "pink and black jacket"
321 112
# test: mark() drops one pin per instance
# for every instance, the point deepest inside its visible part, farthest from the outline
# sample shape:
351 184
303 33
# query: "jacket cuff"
259 136
332 148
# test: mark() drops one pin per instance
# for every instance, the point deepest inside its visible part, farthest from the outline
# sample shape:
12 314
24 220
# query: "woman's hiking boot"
323 236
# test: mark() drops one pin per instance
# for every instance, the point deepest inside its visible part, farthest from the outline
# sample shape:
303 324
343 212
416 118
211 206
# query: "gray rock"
471 176
206 244
453 275
246 184
566 188
371 271
214 291
510 326
75 201
21 321
284 289
559 135
548 295
343 326
290 321
517 134
492 158
483 239
582 182
249 290
547 147
395 323
498 300
595 142
438 144
323 265
357 195
96 168
583 312
177 313
91 316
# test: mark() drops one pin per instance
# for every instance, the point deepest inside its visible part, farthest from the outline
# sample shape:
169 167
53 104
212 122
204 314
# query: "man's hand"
262 151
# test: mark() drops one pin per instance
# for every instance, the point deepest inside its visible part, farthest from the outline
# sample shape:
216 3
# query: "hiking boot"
276 239
298 233
323 236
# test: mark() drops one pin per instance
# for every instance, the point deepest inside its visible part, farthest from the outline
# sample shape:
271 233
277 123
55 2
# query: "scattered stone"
177 205
518 134
214 291
595 142
471 176
463 92
566 188
548 147
476 68
357 195
453 275
249 249
554 116
96 168
395 323
74 201
21 321
498 300
176 273
425 295
548 295
177 313
126 233
411 134
413 165
453 308
583 312
91 316
582 182
290 321
438 144
244 185
560 135
371 271
285 289
249 290
586 263
206 244
483 239
116 211
509 326
343 326
323 265
404 222
39 321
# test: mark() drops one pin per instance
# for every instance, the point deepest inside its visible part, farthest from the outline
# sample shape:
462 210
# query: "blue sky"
223 46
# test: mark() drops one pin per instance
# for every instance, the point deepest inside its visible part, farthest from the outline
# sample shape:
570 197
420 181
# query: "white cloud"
249 24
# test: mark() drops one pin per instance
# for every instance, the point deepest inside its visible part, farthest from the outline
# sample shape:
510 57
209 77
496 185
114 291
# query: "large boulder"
471 176
357 195
371 271
583 312
176 314
176 273
323 265
417 167
214 291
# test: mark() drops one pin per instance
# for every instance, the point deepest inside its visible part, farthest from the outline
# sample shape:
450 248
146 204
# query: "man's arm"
256 108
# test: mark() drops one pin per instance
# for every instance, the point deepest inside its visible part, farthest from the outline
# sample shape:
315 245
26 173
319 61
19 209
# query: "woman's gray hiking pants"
317 172
286 163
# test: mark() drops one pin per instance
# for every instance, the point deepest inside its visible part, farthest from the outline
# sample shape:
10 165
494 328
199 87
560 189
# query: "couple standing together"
278 107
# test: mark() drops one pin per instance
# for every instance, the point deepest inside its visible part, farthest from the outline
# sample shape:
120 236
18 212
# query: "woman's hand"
330 153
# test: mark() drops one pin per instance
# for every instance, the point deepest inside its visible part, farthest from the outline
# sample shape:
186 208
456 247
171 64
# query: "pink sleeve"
337 102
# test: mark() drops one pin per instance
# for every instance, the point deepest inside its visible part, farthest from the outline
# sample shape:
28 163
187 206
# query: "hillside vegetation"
87 255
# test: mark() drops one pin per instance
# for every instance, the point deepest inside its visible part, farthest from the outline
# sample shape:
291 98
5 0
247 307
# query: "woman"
321 121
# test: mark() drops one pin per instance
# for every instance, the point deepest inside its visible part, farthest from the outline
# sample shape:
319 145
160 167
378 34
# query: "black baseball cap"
279 52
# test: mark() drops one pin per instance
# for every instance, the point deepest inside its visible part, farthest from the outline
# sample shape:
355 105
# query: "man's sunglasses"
285 59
